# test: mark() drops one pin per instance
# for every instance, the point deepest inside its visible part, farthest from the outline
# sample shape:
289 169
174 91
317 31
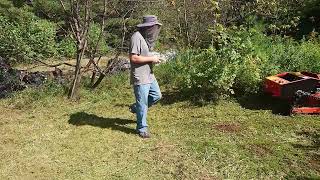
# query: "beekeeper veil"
150 29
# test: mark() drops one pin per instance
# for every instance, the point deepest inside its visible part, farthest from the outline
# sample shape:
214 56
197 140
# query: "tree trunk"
79 22
75 86
93 77
106 71
98 81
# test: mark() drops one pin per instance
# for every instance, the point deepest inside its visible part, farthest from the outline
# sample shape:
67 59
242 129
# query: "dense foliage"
25 36
38 32
239 63
224 46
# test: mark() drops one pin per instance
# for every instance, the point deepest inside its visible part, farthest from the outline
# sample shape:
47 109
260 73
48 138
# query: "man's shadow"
82 118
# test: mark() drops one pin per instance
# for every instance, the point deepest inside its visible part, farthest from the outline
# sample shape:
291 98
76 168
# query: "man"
145 85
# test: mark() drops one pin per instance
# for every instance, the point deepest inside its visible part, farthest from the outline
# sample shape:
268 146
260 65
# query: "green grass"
44 136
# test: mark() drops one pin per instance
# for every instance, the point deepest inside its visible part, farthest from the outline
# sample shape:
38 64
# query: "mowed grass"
45 136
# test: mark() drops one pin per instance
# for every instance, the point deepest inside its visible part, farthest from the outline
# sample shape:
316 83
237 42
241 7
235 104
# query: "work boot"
144 135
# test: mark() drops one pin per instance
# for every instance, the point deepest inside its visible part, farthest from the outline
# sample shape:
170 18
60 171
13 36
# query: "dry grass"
52 138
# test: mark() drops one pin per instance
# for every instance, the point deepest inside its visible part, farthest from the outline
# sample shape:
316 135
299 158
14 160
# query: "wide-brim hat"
149 20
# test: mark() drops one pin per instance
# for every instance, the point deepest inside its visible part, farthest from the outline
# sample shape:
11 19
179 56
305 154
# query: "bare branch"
63 6
102 27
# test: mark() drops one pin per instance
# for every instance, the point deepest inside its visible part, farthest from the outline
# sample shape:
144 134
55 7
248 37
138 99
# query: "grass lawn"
44 136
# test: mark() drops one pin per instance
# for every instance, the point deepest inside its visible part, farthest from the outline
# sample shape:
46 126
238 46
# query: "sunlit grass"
45 136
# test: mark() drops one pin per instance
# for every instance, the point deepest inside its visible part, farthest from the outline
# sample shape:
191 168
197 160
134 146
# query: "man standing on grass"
145 85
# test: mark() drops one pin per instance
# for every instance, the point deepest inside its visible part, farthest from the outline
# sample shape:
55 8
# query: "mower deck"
301 89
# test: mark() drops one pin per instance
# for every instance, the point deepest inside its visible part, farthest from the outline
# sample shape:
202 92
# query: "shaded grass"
52 138
82 118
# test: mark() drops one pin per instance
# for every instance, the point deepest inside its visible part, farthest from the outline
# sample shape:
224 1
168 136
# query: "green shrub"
67 47
242 60
12 44
24 41
248 77
311 49
201 71
93 37
40 36
285 54
295 56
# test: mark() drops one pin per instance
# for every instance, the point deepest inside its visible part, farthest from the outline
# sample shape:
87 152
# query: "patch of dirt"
314 163
228 127
260 150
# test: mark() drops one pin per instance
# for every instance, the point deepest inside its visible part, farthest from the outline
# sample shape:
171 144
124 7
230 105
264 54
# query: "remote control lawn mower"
300 89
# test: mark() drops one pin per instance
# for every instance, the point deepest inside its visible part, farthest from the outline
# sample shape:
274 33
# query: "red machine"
301 89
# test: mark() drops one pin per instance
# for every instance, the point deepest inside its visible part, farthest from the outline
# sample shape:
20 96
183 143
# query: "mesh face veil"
150 34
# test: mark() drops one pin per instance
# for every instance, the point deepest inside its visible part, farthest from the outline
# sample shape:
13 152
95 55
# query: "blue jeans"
146 96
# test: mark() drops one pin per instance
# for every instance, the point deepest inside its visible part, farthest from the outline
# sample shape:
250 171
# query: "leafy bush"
239 63
21 42
12 43
40 36
93 37
67 47
294 56
202 71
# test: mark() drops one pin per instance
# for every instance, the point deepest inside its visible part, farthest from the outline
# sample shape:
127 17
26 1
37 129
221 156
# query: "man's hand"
156 60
